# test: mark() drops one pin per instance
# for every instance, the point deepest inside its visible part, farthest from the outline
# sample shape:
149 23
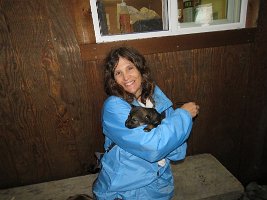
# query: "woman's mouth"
129 83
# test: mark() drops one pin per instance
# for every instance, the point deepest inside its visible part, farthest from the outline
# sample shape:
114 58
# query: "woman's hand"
192 108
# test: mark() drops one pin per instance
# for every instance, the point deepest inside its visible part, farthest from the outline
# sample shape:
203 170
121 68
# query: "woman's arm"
180 152
151 146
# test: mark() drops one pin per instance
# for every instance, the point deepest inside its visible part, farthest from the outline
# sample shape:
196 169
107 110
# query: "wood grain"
51 92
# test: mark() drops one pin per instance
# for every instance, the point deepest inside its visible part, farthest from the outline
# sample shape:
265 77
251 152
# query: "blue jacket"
130 170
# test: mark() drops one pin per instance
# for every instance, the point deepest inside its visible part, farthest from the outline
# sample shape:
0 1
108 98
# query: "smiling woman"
127 75
136 165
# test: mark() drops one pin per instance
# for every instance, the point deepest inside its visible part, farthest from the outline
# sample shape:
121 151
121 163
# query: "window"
116 20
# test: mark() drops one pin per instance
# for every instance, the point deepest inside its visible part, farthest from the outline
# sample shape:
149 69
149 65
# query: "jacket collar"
161 100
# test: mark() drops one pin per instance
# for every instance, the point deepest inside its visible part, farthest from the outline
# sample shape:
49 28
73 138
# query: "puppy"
139 116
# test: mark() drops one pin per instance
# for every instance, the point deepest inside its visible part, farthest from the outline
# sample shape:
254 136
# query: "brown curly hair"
113 88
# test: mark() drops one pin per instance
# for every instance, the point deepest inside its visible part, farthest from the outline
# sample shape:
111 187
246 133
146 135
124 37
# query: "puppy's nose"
126 122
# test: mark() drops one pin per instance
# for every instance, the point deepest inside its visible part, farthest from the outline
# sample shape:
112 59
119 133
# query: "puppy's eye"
134 120
147 117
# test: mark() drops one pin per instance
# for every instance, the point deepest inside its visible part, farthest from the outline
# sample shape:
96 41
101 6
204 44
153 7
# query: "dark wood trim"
172 43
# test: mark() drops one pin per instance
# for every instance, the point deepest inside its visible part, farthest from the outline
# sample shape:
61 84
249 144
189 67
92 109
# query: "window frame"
174 26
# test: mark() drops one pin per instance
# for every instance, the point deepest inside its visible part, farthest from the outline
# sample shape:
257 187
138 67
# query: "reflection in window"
131 16
208 12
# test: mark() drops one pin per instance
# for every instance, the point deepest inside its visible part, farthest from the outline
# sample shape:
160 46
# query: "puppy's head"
137 117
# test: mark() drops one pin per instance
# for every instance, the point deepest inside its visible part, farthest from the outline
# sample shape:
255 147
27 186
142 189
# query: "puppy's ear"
163 115
133 106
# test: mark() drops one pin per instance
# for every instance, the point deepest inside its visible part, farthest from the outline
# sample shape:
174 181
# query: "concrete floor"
197 177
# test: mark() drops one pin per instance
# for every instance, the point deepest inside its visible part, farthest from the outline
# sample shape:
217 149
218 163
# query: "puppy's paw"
146 129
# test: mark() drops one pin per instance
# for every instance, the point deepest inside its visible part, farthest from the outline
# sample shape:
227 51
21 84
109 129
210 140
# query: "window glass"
131 16
208 12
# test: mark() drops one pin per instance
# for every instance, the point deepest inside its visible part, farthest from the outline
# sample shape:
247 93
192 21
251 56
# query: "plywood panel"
47 102
215 78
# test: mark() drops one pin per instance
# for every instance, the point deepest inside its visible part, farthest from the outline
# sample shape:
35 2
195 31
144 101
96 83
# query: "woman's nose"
125 76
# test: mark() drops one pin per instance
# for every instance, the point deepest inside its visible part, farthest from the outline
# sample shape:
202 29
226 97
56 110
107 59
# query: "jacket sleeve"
151 146
180 152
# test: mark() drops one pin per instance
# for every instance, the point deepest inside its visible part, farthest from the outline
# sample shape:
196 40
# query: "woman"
136 164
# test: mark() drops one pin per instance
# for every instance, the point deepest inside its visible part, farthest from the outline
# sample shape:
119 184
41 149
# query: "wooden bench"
204 177
197 177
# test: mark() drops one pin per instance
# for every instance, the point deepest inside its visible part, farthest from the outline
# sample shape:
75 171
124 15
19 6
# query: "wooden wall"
51 91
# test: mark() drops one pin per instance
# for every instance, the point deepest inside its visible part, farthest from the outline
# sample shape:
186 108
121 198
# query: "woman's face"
127 75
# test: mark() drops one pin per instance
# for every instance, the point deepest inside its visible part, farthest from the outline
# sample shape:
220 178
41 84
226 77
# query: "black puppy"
140 116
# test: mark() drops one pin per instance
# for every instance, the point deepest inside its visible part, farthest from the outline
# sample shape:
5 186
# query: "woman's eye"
117 73
131 67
